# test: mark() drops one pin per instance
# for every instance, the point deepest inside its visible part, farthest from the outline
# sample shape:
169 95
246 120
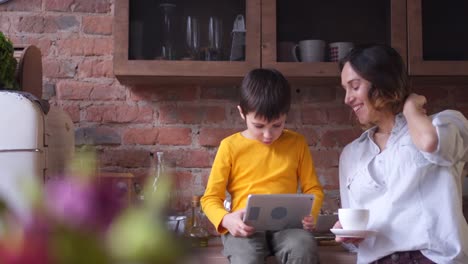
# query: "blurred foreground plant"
76 220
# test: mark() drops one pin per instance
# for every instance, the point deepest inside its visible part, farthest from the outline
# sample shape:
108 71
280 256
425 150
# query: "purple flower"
81 204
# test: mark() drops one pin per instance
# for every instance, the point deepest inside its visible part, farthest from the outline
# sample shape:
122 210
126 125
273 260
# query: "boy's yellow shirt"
245 166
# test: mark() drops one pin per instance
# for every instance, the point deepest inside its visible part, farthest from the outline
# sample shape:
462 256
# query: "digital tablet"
277 211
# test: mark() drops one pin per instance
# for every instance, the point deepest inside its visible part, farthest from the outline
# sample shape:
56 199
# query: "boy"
265 158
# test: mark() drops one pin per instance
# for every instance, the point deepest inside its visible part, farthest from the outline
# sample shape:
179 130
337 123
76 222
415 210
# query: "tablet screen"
277 211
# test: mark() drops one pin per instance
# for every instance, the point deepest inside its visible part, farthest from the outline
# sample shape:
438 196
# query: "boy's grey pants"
289 246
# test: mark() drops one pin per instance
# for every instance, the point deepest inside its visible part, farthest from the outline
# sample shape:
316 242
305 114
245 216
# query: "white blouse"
414 197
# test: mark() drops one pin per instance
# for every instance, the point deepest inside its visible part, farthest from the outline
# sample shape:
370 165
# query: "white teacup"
353 219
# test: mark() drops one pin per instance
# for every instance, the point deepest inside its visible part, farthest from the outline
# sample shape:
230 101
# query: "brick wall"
186 122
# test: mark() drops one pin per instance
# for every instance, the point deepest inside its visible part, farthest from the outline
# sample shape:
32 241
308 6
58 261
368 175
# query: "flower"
74 219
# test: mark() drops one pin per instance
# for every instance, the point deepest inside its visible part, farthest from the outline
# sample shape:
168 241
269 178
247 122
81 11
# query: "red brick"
118 114
73 90
234 117
340 115
63 23
32 24
73 111
107 92
127 158
294 115
318 93
175 136
435 95
190 158
461 95
22 5
463 110
339 137
186 183
96 6
97 68
47 24
85 46
164 93
311 135
212 136
79 90
176 114
97 135
314 116
220 93
182 180
53 68
58 5
205 175
97 25
141 136
325 159
43 43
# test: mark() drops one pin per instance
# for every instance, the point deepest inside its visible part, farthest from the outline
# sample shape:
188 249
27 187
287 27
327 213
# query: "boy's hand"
234 224
308 223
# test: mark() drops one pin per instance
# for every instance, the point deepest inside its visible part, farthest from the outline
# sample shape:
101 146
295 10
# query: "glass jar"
196 233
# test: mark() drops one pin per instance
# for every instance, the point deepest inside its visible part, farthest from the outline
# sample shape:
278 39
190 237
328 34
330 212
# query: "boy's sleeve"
308 178
212 201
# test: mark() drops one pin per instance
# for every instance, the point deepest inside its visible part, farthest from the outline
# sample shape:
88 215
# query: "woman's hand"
351 240
308 223
422 132
234 224
414 104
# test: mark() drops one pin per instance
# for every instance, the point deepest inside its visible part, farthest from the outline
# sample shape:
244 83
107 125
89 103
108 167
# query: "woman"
405 168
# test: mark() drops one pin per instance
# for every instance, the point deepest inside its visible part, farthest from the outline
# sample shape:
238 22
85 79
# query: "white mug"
311 50
353 219
339 49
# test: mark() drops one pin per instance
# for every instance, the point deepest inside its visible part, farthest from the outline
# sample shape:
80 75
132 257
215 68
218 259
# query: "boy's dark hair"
265 92
384 68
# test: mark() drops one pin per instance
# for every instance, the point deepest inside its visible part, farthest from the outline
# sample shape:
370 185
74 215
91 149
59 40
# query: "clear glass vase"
168 31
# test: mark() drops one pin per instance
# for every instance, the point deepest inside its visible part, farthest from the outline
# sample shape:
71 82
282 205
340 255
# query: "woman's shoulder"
451 118
449 115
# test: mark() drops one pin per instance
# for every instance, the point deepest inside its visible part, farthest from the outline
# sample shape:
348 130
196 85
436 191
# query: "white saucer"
352 233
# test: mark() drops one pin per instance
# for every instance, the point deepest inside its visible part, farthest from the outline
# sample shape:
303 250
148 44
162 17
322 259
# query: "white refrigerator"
29 150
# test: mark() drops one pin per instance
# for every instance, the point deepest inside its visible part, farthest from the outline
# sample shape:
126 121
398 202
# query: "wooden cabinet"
132 67
137 59
363 21
438 37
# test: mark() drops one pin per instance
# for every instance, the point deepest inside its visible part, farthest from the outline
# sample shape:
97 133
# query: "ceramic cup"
311 50
353 219
339 49
286 51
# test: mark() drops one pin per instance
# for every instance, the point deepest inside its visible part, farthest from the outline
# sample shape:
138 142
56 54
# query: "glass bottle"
197 234
168 34
159 169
